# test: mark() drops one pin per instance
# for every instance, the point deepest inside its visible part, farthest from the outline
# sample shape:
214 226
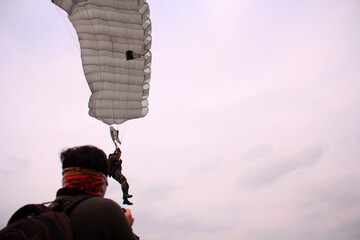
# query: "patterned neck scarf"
88 180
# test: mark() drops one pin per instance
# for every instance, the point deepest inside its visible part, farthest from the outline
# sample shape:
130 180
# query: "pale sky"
253 130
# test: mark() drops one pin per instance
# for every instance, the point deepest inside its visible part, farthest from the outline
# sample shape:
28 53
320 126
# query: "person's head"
89 157
85 168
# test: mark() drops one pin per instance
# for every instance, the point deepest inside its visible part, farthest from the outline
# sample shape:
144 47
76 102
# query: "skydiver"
115 172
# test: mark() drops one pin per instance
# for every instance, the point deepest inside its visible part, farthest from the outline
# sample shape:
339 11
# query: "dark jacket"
96 217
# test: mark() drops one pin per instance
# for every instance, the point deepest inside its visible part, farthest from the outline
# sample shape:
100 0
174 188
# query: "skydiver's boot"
125 190
126 195
127 202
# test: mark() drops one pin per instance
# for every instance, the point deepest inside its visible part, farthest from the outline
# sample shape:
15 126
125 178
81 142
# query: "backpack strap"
67 207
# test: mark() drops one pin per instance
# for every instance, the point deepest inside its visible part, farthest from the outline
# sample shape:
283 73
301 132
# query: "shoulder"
99 205
101 201
99 214
100 218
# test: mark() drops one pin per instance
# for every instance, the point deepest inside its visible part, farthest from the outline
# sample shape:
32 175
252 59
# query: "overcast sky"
253 130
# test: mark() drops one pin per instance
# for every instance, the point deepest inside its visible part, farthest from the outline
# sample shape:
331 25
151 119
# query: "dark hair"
85 157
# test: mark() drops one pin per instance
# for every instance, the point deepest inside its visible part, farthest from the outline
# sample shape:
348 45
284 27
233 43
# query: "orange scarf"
88 180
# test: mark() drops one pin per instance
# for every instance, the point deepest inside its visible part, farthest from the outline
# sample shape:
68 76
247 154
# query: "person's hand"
128 216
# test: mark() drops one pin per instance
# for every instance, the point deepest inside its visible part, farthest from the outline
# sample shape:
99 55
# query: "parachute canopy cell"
115 39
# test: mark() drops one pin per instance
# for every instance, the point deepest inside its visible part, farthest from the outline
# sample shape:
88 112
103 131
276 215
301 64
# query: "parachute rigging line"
68 29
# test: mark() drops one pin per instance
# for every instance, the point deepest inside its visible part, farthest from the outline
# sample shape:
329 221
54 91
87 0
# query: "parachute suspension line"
115 136
76 43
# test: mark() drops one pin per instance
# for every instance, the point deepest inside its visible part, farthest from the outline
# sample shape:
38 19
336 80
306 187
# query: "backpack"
37 221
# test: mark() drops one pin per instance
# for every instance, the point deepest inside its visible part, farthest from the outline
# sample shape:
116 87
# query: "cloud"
177 226
13 165
341 193
267 173
333 207
348 230
157 193
257 152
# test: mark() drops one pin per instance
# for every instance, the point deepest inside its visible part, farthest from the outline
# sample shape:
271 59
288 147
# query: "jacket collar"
70 192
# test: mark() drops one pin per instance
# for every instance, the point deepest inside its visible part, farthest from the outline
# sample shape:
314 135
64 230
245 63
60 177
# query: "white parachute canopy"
115 39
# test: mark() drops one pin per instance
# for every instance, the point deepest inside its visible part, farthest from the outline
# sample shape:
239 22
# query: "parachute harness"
115 167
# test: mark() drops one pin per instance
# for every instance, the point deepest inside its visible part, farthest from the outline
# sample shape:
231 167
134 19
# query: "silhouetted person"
85 171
